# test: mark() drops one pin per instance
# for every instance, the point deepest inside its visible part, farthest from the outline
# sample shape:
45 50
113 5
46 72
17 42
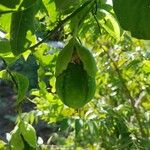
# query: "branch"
60 24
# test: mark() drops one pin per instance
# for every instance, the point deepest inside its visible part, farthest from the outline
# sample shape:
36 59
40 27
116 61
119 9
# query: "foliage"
118 116
75 75
126 12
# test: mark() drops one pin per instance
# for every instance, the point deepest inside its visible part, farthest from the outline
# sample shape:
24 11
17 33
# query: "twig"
59 25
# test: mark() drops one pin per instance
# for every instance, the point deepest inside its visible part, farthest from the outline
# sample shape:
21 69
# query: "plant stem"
60 24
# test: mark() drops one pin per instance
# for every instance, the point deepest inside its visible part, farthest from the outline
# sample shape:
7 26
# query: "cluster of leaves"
118 117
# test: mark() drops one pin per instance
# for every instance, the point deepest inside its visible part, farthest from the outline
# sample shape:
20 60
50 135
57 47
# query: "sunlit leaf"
5 22
110 25
28 133
51 9
16 141
146 66
2 145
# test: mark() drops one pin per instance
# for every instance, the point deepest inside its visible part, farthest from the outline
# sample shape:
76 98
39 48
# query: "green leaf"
4 74
110 25
4 46
22 83
78 126
40 54
64 57
10 3
51 9
146 66
8 57
5 22
67 6
22 29
2 145
6 5
77 21
134 16
16 141
28 133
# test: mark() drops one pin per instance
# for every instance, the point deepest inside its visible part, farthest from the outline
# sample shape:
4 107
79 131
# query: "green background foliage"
32 33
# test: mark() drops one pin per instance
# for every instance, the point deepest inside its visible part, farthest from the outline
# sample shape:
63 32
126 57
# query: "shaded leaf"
22 29
22 83
6 5
134 16
5 46
67 6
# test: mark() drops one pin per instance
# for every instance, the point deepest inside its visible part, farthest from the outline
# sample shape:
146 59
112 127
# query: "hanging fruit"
75 75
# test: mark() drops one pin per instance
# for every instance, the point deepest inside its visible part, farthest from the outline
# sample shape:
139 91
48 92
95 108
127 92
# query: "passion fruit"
75 84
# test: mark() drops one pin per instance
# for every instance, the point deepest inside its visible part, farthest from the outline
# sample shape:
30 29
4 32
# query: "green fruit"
74 86
75 80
